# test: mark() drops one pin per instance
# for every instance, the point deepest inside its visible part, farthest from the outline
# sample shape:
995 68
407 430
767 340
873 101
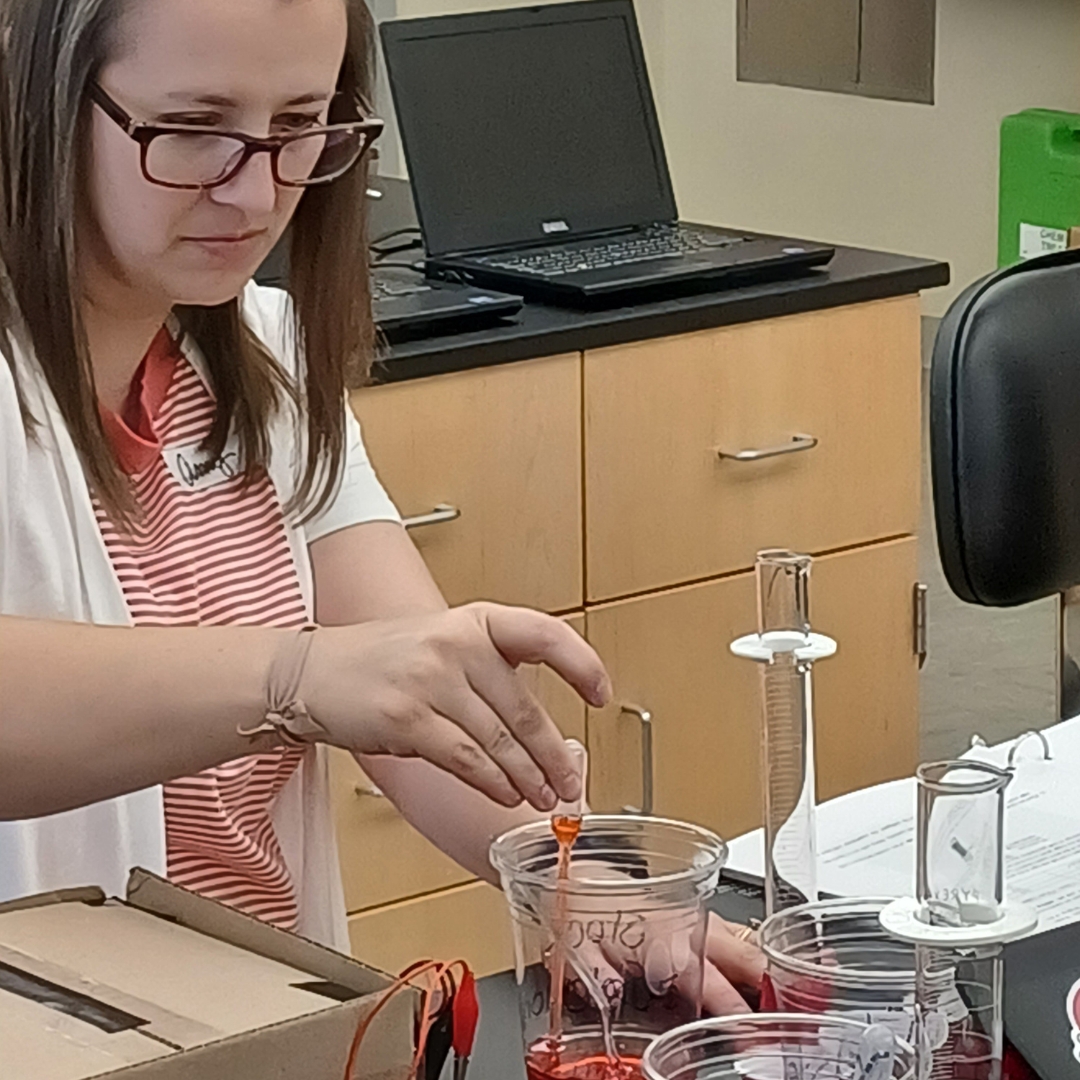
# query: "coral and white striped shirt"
206 551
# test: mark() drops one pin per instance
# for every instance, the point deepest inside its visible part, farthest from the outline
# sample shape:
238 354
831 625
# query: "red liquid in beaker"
543 1062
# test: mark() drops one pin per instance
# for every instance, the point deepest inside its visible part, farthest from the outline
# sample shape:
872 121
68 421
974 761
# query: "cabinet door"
383 858
469 921
839 388
669 653
502 445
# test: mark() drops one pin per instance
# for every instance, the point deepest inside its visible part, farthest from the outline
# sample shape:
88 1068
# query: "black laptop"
406 305
536 160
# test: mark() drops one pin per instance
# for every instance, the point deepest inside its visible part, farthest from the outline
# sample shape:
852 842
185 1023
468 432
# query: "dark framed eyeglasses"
191 158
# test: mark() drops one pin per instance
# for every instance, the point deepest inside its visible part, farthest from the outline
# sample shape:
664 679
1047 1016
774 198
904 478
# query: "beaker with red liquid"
626 928
779 1046
570 1060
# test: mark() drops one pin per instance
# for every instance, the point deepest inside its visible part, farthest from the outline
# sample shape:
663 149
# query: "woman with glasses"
183 492
184 496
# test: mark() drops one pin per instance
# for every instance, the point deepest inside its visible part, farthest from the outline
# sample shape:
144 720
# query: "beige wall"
910 178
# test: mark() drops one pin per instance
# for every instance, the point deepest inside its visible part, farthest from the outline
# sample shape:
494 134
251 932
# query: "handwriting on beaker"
626 930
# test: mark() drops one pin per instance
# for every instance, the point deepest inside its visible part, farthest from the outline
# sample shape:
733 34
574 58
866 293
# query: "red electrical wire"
441 979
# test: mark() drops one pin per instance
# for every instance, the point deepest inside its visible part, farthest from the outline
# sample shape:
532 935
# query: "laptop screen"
527 124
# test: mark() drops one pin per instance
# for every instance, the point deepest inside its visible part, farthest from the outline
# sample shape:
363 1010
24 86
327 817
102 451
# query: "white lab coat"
54 565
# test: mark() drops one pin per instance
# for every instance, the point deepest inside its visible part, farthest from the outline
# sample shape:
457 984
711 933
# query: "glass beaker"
835 957
958 920
960 844
960 883
776 1046
626 926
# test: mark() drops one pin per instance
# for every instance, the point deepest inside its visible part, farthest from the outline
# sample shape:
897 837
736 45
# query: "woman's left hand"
732 964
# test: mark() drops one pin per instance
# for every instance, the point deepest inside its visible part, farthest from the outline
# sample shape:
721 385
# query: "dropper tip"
580 756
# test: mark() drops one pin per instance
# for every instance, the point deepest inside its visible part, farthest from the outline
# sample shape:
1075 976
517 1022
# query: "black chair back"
1005 434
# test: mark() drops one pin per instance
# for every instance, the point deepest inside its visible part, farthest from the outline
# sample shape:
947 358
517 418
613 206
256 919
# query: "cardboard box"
170 986
1074 237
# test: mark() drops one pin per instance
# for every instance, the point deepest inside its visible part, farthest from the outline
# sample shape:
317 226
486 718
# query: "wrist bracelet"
286 714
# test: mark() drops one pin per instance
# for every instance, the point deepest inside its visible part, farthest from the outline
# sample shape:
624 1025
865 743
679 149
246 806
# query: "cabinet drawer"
383 858
503 446
669 653
663 507
471 922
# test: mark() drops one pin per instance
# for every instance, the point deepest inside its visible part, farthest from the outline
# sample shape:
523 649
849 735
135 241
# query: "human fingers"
442 742
740 961
531 637
465 707
594 976
669 961
718 996
494 680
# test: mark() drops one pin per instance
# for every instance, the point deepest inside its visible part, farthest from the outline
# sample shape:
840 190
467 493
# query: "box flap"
172 986
89 895
312 1048
62 1047
161 971
96 1004
151 893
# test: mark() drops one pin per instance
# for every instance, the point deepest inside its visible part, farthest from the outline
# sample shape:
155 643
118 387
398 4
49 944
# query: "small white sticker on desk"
1037 240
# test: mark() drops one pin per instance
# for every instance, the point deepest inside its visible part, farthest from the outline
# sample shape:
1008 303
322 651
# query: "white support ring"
901 919
763 647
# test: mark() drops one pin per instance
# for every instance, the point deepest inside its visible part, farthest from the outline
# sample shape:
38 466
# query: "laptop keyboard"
656 242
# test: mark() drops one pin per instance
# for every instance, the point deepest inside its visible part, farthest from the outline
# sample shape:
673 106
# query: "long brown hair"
49 52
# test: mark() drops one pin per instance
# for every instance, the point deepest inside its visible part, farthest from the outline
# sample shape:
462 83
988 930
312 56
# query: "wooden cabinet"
501 445
383 858
594 484
471 922
663 507
669 653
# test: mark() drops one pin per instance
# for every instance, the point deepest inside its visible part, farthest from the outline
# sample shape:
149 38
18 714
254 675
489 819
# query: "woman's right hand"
443 687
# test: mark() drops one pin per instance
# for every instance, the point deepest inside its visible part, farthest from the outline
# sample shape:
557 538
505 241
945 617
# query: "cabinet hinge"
919 636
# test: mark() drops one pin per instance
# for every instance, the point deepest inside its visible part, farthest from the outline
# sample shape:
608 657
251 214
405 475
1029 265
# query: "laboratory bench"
621 468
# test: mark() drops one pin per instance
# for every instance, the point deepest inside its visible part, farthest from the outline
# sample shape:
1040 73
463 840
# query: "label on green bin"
1038 240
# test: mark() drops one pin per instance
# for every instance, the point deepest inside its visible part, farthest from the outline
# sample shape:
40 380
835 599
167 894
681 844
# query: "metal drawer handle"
798 444
440 515
646 720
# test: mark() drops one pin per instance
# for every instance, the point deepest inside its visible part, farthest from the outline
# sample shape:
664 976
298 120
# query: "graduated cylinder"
786 650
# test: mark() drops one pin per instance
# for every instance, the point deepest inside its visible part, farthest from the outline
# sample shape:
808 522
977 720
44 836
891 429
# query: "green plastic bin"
1040 183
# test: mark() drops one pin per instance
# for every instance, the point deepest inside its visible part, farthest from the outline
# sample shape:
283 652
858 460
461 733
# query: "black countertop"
853 276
